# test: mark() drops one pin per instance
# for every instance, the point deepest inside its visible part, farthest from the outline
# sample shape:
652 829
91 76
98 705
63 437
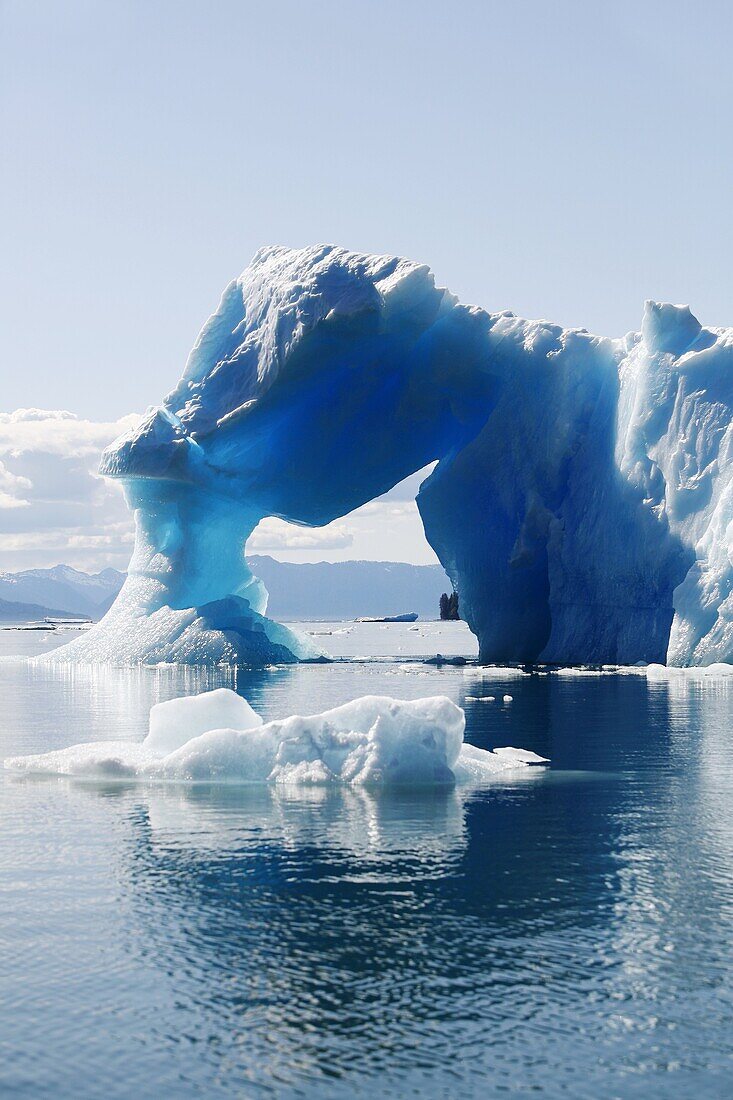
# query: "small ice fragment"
508 698
522 756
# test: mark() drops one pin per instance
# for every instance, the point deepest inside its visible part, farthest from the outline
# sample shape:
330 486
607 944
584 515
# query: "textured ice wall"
675 447
562 559
602 496
582 503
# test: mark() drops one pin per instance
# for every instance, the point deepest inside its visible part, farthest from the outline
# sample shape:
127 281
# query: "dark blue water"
567 932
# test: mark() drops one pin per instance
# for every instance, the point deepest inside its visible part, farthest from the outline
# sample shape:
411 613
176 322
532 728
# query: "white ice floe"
372 741
575 671
521 756
706 672
495 672
473 765
651 672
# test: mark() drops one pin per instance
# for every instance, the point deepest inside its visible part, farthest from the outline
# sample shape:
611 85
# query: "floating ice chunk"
577 671
508 698
717 671
498 672
520 756
605 670
177 721
371 741
478 765
374 741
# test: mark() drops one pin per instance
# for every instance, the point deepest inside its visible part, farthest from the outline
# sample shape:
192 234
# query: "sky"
565 160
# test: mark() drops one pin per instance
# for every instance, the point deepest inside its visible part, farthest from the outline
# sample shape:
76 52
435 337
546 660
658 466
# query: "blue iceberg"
582 503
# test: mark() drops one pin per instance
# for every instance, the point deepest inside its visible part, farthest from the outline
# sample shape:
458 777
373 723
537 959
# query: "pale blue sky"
562 159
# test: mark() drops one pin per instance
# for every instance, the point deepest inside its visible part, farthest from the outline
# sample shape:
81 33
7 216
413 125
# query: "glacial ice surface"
374 741
582 503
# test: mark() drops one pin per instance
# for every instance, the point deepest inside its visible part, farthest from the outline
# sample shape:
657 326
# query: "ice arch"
579 479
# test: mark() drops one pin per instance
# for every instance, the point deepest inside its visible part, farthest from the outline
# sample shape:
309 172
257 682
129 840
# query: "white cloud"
22 415
55 431
12 488
54 507
384 506
275 534
7 500
382 530
386 529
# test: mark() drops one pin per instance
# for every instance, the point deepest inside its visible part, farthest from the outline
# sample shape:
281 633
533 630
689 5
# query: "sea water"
566 931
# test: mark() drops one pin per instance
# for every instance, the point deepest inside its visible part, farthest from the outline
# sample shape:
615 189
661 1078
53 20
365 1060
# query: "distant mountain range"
14 612
325 590
60 591
348 589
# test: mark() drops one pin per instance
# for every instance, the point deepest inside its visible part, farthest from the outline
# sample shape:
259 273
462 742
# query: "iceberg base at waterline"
189 597
223 632
216 737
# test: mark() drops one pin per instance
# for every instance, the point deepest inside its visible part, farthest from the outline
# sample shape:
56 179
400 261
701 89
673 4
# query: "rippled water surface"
566 931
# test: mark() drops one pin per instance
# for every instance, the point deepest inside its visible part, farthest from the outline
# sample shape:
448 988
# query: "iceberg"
582 502
216 737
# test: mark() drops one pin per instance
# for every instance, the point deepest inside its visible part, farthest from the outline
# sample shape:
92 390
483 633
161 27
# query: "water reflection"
349 824
567 932
319 931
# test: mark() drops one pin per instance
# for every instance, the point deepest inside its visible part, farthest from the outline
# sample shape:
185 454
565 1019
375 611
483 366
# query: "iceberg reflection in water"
565 930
